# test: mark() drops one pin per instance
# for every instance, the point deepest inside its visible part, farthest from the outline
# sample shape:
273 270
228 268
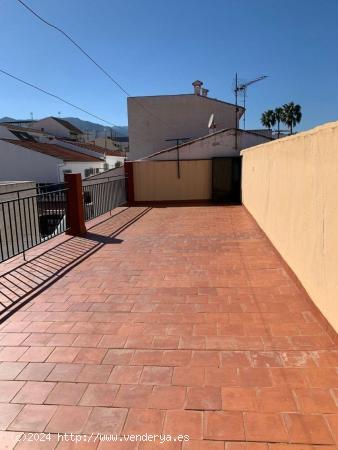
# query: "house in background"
206 165
34 154
153 119
21 132
113 158
121 142
58 128
27 159
116 143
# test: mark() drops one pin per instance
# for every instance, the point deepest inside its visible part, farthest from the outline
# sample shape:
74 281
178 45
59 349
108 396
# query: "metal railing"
31 216
103 196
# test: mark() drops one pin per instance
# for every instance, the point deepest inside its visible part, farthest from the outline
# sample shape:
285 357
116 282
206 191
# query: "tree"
291 115
268 118
279 118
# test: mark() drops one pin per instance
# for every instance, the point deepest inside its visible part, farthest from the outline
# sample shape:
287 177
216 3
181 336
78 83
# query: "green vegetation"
289 114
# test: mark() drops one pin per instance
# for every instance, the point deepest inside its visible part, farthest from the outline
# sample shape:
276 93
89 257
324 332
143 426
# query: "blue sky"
159 47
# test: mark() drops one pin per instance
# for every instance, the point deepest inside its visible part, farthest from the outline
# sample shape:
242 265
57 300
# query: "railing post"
75 210
129 173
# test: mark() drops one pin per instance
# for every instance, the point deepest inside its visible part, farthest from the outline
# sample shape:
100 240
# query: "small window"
89 172
67 171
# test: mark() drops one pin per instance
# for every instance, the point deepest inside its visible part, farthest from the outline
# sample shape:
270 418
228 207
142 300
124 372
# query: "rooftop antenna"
179 140
211 123
240 88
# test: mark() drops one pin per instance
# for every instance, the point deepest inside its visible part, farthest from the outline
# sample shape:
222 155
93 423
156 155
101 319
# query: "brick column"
75 211
128 170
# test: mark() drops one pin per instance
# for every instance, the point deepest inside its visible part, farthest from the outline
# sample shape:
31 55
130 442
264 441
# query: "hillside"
86 125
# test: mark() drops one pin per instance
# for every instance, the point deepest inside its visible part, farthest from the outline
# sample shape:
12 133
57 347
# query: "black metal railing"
31 216
103 196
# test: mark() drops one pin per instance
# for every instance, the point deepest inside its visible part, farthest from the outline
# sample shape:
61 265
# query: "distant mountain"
85 125
6 119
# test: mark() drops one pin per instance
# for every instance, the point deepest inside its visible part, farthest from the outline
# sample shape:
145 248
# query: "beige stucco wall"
290 186
158 180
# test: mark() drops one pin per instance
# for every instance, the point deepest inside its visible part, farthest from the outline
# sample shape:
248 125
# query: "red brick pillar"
128 169
75 211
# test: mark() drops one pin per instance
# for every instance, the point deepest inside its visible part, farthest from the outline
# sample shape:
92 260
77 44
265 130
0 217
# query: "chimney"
197 87
205 92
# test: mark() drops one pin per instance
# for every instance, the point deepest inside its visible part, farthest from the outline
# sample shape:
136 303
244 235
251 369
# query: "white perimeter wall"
216 145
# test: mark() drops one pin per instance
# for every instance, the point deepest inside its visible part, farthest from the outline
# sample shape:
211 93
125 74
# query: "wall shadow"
21 284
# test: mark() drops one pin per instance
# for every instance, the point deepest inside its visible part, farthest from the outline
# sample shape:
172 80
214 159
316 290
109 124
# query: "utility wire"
90 58
76 45
55 96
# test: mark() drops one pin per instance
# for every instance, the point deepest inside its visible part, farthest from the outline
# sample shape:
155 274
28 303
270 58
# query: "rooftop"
68 125
53 150
96 148
13 127
241 109
180 320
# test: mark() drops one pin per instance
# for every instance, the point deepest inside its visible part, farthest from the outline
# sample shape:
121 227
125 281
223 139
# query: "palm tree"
291 115
268 118
279 118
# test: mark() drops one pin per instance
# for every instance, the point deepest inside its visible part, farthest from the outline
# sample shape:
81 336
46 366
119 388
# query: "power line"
55 96
90 58
76 45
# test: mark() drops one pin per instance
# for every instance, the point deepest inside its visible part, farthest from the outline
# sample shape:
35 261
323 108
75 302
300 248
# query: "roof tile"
54 150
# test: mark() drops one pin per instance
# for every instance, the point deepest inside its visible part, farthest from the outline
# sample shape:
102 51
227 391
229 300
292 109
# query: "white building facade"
45 159
19 163
153 119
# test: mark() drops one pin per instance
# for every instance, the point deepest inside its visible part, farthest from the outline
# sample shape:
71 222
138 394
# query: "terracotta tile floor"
185 323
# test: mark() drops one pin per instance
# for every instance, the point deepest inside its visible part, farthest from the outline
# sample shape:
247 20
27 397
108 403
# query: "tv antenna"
211 123
240 89
178 140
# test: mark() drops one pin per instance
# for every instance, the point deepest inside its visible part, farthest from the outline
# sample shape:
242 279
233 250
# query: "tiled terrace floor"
185 323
